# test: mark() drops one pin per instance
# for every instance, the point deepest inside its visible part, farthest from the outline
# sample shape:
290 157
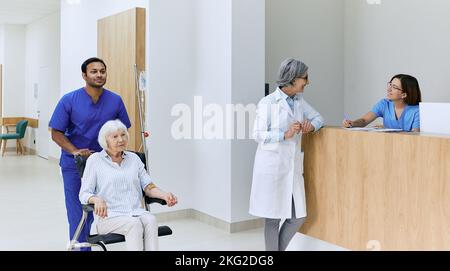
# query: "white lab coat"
278 167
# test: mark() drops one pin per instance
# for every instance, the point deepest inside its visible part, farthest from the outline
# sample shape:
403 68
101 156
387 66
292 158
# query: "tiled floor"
34 218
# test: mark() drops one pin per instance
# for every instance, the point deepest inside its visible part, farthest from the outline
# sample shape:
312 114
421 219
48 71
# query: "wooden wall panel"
121 44
389 187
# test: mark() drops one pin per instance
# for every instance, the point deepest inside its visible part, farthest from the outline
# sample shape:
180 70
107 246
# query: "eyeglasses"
304 78
390 85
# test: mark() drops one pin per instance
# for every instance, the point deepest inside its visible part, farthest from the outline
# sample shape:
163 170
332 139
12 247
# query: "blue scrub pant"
72 185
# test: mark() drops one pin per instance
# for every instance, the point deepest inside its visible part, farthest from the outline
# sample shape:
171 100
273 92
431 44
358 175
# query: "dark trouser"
72 185
278 239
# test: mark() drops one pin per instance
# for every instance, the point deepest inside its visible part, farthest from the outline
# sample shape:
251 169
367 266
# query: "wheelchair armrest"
88 208
149 200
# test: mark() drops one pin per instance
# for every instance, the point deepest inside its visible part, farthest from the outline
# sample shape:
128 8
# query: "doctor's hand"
307 127
293 130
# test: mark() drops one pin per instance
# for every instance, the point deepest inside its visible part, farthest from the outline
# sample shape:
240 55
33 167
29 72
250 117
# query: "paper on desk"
386 130
373 129
360 128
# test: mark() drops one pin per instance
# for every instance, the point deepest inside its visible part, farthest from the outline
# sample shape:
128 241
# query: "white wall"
171 71
205 52
2 48
42 50
13 74
213 82
312 31
229 51
2 43
248 78
398 36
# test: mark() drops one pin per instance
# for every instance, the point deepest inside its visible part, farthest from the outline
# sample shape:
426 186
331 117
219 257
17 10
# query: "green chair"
21 127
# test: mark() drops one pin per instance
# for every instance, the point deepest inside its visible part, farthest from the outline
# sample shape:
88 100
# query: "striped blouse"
120 186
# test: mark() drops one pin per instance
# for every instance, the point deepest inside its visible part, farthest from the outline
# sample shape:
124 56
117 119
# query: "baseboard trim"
53 160
210 220
12 150
173 215
247 225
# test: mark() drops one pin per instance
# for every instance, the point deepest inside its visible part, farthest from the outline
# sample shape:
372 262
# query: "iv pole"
144 134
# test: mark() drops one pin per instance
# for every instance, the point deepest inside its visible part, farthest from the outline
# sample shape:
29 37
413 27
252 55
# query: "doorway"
43 112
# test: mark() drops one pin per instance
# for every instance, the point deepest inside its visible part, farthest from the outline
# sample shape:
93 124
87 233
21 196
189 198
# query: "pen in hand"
347 120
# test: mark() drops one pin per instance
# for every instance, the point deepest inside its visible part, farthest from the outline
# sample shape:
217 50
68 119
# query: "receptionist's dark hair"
410 86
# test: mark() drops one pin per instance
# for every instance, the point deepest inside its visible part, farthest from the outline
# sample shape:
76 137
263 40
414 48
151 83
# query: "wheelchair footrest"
164 231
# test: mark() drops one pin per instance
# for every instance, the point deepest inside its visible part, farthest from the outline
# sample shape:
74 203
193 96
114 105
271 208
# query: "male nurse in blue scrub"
75 124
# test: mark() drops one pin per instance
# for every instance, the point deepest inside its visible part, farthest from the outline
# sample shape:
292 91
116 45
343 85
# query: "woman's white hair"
289 70
108 128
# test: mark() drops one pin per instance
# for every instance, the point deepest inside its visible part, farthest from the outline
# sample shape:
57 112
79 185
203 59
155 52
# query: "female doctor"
278 191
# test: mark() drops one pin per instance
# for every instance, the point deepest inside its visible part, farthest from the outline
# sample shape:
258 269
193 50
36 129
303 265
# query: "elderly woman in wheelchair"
113 181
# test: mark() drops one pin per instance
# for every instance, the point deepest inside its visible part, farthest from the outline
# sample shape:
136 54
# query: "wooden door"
121 44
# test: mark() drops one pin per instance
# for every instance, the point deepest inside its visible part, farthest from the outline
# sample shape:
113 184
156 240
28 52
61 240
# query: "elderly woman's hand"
171 199
100 207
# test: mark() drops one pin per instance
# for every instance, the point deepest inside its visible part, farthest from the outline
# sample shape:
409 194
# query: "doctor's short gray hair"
289 70
108 128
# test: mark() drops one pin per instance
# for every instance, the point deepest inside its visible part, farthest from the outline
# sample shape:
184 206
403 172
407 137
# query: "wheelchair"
101 240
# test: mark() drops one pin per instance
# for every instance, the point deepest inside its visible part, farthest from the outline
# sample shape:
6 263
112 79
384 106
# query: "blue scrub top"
409 119
80 119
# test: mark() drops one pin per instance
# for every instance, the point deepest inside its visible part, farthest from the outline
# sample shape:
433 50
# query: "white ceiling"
26 11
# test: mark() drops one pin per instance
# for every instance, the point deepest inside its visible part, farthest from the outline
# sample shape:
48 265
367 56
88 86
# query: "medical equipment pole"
144 134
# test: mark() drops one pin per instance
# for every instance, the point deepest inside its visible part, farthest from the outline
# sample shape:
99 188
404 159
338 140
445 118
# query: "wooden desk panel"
33 123
389 187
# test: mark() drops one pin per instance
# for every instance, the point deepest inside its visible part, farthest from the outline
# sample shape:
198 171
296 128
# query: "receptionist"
400 110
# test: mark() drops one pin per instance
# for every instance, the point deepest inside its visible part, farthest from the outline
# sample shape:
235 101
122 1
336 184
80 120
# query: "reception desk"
378 191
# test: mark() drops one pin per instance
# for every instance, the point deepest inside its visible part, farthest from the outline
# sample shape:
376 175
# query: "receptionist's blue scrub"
409 119
80 119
